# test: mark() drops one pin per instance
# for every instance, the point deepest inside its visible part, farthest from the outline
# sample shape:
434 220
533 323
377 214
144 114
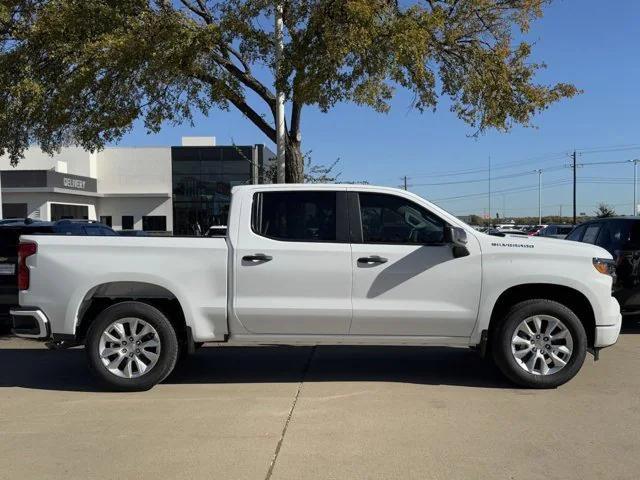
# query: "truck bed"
79 269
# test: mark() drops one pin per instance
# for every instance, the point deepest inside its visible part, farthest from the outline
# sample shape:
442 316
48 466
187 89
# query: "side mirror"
457 237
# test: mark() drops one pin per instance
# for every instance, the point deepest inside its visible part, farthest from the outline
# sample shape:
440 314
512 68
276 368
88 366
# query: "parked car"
9 238
320 265
555 231
6 221
133 233
535 229
504 231
620 236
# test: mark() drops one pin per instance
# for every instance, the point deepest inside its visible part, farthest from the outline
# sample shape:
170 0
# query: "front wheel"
131 346
540 344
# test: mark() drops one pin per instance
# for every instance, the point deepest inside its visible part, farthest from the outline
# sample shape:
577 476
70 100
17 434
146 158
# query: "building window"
14 210
61 211
154 223
107 220
127 222
202 181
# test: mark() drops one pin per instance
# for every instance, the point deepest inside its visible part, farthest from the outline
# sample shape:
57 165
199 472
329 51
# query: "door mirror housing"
457 237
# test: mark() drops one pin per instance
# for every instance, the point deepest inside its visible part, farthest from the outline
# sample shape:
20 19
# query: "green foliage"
79 71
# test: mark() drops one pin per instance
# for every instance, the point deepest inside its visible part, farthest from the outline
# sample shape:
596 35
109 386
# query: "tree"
78 71
604 211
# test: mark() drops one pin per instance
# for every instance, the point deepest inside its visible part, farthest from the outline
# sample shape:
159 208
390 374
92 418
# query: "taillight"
25 250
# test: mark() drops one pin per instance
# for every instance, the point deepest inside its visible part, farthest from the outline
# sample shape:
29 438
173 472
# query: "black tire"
504 358
167 337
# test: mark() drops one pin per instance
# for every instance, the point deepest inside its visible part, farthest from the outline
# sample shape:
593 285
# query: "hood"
542 245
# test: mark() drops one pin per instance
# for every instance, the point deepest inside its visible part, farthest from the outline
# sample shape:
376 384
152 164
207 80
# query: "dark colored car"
620 236
9 238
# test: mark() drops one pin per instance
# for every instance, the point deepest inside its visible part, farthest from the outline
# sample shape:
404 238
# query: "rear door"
406 280
293 263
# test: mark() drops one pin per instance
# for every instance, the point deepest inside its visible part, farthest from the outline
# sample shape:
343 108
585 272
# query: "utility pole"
405 182
574 186
280 134
540 196
490 217
635 184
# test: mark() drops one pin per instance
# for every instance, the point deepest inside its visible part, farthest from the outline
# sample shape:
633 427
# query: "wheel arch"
102 296
568 296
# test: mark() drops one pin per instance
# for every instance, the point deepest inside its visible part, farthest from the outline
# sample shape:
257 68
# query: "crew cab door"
293 263
406 280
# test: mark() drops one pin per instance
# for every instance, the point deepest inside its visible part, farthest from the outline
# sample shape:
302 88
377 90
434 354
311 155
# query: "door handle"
372 259
258 257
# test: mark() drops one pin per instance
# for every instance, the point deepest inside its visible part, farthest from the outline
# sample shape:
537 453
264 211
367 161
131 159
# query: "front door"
406 280
293 264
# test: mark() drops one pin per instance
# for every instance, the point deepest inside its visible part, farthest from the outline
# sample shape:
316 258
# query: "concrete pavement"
319 413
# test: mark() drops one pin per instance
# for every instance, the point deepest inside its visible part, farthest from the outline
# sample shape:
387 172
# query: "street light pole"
635 184
539 196
280 137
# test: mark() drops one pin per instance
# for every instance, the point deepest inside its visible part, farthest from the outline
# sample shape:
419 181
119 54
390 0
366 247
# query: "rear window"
564 230
295 216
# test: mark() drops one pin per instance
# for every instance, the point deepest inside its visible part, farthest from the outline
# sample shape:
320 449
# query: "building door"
61 211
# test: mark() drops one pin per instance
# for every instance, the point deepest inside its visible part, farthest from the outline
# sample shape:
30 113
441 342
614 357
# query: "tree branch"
246 79
201 10
240 103
252 115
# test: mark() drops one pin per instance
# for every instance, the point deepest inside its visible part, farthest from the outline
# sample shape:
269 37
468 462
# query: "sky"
589 43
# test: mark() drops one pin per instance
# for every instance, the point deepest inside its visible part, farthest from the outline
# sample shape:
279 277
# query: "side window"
391 219
591 234
576 233
295 216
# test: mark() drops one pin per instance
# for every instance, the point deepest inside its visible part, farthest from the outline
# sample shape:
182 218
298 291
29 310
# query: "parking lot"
319 413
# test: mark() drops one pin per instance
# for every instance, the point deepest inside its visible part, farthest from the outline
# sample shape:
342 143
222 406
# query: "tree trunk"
294 162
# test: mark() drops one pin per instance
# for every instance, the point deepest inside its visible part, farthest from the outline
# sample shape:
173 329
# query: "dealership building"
182 189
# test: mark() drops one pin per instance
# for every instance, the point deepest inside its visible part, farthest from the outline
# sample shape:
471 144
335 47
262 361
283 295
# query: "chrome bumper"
30 323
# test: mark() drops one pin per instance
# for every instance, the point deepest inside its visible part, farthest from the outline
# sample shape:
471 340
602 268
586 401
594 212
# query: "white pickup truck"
320 265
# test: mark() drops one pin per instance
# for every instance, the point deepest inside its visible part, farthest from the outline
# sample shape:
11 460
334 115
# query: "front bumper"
30 323
608 328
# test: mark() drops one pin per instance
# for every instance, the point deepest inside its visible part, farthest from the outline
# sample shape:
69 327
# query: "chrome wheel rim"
129 347
542 345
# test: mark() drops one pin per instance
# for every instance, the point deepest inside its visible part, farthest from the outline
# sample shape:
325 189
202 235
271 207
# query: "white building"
132 188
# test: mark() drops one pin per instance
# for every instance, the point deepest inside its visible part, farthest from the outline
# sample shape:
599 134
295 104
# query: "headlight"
605 266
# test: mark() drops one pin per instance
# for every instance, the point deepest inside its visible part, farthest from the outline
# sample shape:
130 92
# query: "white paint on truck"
249 287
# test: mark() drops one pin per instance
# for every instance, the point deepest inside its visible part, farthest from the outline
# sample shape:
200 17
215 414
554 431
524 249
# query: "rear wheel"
131 346
540 344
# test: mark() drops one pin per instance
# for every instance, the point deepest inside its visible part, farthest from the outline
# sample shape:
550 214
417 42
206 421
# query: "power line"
507 190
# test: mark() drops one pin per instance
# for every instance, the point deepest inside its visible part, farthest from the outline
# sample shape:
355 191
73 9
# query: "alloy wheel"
129 347
542 345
